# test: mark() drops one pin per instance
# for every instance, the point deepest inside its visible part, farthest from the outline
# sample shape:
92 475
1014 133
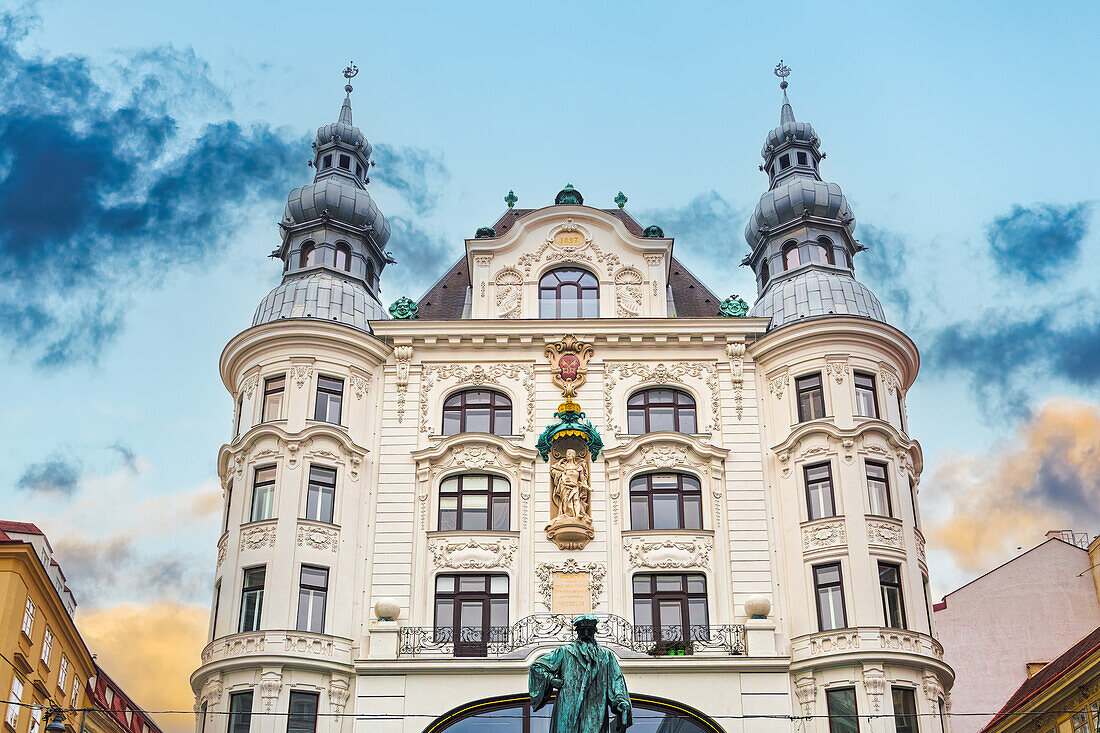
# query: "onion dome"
569 195
801 235
333 234
653 232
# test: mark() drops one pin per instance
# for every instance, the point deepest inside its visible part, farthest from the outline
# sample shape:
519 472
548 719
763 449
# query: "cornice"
435 454
256 433
893 436
523 332
301 335
788 341
705 451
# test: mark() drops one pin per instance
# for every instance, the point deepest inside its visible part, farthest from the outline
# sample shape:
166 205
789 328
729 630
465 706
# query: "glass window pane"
470 614
661 418
503 424
671 613
697 611
664 481
498 612
498 584
666 511
445 584
475 482
696 583
471 583
478 398
827 574
842 710
314 577
477 420
639 513
693 512
642 583
687 420
452 422
670 582
643 613
500 514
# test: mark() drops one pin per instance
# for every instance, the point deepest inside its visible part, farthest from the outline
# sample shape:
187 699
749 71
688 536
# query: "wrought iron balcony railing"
500 641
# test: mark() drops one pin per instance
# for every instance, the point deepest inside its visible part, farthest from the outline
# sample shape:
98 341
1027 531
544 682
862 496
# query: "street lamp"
57 725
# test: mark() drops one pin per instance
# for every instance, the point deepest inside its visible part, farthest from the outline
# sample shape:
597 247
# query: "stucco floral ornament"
404 309
733 307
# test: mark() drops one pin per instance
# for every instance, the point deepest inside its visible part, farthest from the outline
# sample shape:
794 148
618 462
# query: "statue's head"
585 626
571 453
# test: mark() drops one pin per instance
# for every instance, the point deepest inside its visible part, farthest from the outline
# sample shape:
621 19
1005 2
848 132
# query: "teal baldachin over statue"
571 424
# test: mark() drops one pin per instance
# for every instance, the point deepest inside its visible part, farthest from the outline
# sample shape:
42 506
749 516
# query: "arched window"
660 409
477 411
569 292
822 251
474 502
790 256
666 501
764 274
308 256
372 280
509 716
343 257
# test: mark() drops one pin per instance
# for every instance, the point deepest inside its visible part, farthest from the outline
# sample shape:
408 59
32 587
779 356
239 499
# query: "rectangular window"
889 581
240 411
475 502
784 162
252 598
901 410
36 720
669 609
878 490
843 717
326 162
345 162
829 589
866 399
217 606
819 491
1080 722
240 711
228 503
471 611
47 646
28 618
312 594
811 397
263 494
74 697
913 501
63 673
202 714
273 397
928 607
802 158
320 494
303 712
330 398
905 709
14 698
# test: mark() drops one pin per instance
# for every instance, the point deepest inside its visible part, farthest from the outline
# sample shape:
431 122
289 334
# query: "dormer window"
308 257
345 162
803 159
326 162
784 162
569 292
791 259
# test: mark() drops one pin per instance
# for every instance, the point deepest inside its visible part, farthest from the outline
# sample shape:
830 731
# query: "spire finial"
783 71
349 73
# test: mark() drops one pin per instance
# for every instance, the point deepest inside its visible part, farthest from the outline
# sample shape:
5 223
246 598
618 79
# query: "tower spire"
345 111
787 113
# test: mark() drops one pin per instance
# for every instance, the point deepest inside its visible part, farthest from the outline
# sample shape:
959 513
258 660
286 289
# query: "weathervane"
349 73
782 72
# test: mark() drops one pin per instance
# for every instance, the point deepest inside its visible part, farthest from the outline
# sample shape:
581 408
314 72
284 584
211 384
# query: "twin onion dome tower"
801 235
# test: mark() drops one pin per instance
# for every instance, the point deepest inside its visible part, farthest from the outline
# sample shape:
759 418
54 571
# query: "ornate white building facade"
414 506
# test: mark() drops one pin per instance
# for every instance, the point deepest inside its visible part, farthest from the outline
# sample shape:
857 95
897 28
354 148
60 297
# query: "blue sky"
158 142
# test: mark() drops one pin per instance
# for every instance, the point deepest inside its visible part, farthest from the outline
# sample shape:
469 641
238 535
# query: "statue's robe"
593 682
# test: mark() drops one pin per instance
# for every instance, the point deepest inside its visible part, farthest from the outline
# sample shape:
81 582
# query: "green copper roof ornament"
569 195
511 198
733 307
653 232
485 233
620 200
570 423
404 309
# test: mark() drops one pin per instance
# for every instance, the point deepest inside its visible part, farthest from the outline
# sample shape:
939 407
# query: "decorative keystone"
733 307
404 309
620 200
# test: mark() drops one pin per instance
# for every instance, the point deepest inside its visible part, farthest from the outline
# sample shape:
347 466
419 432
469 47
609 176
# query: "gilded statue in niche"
569 446
569 477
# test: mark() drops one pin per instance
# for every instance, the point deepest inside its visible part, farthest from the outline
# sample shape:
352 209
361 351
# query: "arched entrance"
512 714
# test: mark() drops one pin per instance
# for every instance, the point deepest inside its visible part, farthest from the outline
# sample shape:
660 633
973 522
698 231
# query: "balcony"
283 643
544 628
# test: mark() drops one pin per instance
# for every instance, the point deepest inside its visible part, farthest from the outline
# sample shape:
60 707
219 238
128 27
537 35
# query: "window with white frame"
47 646
63 673
36 720
74 698
14 699
28 618
312 596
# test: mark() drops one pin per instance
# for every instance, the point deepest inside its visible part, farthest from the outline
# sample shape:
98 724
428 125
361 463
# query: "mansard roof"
446 300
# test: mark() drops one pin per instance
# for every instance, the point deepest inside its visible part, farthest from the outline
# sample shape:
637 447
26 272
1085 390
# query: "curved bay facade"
402 535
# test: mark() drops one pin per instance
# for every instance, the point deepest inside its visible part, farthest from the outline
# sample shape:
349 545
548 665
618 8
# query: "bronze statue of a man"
588 681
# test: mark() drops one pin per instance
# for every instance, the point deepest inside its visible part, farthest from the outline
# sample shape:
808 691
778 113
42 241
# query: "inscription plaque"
572 593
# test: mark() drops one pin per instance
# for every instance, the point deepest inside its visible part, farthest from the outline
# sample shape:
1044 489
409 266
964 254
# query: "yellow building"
46 663
1062 696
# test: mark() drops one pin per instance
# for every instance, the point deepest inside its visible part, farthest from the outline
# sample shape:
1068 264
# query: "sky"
146 150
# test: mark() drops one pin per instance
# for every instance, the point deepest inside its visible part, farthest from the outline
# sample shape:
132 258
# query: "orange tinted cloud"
1047 477
150 651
